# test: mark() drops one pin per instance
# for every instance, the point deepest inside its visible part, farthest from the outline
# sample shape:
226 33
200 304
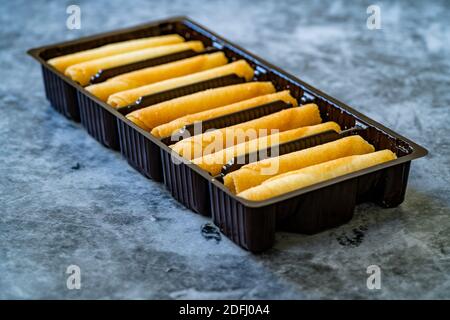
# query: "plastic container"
252 225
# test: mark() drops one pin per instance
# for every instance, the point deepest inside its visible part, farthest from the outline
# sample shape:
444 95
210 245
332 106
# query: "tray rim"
417 150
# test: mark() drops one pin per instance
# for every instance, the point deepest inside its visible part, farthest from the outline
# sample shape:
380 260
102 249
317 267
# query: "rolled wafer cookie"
155 115
62 62
240 68
158 73
82 72
255 173
213 141
214 162
311 175
167 129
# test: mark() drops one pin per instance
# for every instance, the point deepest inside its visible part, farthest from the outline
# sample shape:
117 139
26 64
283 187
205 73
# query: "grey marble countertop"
66 200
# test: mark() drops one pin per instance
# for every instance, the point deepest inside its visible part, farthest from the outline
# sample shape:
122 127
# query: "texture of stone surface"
65 199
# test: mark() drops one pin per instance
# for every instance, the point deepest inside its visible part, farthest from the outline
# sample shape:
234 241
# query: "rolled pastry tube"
155 115
158 73
256 173
62 62
213 141
214 162
167 129
240 68
311 175
82 72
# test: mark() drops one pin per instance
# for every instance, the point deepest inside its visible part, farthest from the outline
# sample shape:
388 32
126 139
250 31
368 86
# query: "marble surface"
65 199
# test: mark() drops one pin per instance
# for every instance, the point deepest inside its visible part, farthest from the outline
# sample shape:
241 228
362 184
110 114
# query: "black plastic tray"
251 225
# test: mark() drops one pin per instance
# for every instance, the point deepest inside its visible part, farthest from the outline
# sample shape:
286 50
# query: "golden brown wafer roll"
254 174
167 129
82 72
214 162
62 62
154 74
213 141
308 176
240 68
155 115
